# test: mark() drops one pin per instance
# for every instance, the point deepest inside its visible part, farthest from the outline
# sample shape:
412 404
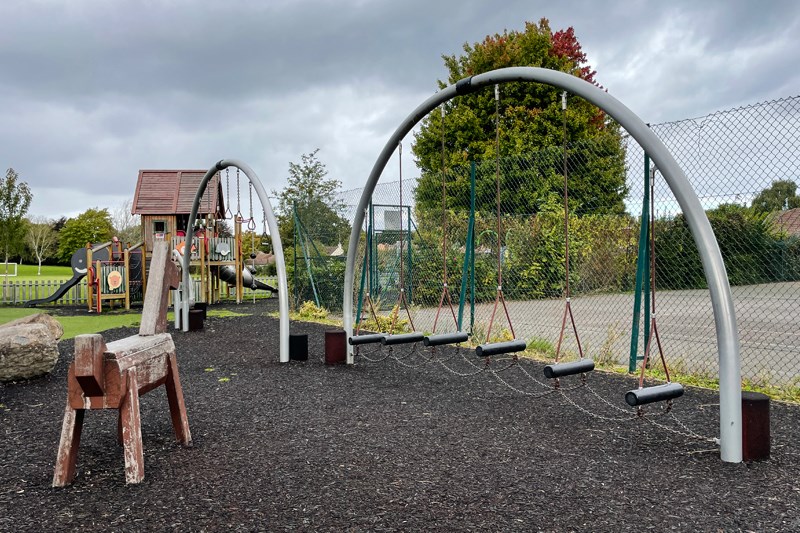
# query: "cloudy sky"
91 91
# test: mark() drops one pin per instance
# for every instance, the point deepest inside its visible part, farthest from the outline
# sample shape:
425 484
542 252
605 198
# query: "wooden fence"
19 292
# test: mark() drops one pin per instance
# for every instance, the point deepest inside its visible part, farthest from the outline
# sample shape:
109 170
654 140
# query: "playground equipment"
713 265
669 390
114 273
182 294
515 345
583 365
164 198
402 300
458 336
114 375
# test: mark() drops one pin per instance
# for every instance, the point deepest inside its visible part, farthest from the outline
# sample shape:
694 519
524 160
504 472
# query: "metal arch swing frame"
711 258
277 250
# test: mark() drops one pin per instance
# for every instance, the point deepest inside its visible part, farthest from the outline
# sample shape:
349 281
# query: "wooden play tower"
164 199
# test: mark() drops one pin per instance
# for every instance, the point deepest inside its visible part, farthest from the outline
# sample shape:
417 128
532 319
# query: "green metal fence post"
642 272
465 269
409 258
299 227
296 290
468 269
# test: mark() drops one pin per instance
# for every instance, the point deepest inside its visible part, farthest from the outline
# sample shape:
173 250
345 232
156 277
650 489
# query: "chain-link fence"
743 164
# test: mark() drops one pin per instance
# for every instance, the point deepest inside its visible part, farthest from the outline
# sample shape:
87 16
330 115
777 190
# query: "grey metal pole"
277 249
713 266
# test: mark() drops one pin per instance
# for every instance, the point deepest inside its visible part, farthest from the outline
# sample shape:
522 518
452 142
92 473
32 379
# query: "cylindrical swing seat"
445 338
497 348
402 338
656 393
369 338
559 370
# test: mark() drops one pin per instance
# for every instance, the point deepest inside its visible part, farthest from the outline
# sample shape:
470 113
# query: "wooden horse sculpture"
114 375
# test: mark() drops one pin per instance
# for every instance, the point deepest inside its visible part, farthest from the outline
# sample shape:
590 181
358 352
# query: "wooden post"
127 259
89 276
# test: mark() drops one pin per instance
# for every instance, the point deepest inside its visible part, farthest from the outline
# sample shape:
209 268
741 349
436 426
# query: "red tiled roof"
788 221
172 192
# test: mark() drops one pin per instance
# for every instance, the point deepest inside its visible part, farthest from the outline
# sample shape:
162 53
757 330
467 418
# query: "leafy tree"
92 226
314 197
15 198
41 239
58 224
530 123
781 194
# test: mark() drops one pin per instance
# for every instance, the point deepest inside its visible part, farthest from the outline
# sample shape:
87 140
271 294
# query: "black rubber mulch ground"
382 447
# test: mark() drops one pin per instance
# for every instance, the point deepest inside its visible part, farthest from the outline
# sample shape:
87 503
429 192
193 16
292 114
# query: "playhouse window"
159 230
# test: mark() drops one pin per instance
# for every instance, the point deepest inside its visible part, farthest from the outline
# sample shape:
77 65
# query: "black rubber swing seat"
558 370
369 338
445 338
497 348
656 393
402 338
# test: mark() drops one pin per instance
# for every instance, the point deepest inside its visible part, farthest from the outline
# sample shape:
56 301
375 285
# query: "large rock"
29 347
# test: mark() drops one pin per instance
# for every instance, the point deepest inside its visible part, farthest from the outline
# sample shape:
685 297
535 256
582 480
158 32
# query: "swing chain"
238 197
251 224
228 212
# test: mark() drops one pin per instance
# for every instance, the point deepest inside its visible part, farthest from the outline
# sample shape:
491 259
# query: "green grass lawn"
29 273
77 325
94 323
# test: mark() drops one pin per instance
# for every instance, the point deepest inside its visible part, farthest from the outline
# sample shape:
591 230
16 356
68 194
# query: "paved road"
768 317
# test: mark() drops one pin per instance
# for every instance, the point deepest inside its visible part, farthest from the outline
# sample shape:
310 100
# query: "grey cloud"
92 91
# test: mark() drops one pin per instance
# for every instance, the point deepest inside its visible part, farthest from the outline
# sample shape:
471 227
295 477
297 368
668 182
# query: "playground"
421 432
381 446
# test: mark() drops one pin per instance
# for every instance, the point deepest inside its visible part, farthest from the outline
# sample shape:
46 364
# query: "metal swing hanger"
516 345
238 198
401 295
499 298
402 338
445 294
228 212
373 338
251 222
567 293
557 369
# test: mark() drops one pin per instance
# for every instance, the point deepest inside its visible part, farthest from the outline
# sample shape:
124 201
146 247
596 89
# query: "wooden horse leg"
68 447
177 408
132 431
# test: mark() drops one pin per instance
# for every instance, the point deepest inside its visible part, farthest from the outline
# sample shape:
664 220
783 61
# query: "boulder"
29 347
